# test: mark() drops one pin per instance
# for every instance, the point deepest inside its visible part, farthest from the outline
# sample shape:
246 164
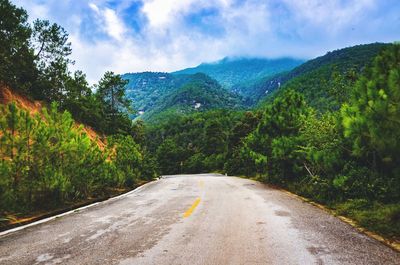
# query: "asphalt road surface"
196 219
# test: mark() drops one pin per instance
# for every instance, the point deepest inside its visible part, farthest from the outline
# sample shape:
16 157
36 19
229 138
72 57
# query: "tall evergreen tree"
17 68
50 42
372 117
111 92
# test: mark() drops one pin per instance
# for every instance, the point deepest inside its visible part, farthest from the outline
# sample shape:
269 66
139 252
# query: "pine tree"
372 117
111 92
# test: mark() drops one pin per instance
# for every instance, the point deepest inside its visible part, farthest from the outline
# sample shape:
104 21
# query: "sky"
166 35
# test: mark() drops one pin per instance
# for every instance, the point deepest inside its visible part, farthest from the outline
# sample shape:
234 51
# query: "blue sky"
166 35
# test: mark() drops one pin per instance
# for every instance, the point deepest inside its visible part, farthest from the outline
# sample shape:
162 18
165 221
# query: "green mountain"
145 89
200 93
236 73
249 81
153 93
325 80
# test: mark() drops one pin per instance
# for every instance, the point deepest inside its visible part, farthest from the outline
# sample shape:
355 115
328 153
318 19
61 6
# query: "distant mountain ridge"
153 93
230 72
150 89
201 93
146 88
314 77
239 83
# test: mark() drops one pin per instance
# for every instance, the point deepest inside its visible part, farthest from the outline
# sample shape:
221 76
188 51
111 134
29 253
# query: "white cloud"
167 42
330 14
162 13
114 26
109 22
94 8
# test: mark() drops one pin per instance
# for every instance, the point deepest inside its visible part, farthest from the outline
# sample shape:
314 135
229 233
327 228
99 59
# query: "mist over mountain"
148 90
232 71
246 82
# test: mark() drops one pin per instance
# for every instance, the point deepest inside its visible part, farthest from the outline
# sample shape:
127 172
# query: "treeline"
196 143
346 157
46 159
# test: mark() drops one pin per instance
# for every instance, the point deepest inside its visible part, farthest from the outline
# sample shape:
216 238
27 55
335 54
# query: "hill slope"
231 72
34 107
314 78
254 80
153 93
201 93
146 88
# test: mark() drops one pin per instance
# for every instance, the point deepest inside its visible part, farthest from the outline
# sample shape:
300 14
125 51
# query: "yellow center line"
191 209
201 183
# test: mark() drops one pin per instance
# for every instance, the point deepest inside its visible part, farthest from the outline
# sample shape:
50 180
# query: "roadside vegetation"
48 160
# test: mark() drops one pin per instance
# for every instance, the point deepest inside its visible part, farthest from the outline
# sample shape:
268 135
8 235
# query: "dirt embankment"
8 95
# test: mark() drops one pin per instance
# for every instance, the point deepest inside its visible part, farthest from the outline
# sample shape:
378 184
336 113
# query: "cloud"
109 22
166 35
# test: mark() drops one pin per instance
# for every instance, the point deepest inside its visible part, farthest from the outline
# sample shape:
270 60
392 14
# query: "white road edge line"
12 230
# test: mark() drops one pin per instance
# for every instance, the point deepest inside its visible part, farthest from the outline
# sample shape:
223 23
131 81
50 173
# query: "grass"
383 219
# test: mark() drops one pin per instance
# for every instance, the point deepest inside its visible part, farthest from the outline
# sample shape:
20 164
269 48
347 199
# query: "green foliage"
128 158
180 91
322 143
200 93
324 81
377 217
170 157
17 67
273 145
240 75
193 143
372 117
51 46
47 160
147 89
115 106
34 59
345 158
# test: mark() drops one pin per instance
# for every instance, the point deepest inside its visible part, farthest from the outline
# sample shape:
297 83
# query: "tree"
371 119
138 131
50 42
80 101
273 146
17 68
170 157
111 92
215 138
128 159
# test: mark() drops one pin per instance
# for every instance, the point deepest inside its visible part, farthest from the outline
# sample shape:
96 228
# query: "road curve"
196 219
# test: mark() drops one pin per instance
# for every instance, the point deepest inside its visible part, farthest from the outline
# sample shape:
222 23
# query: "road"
196 219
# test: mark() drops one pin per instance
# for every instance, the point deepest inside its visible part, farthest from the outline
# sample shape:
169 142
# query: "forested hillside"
145 89
231 72
155 93
47 160
256 80
324 81
200 94
237 75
